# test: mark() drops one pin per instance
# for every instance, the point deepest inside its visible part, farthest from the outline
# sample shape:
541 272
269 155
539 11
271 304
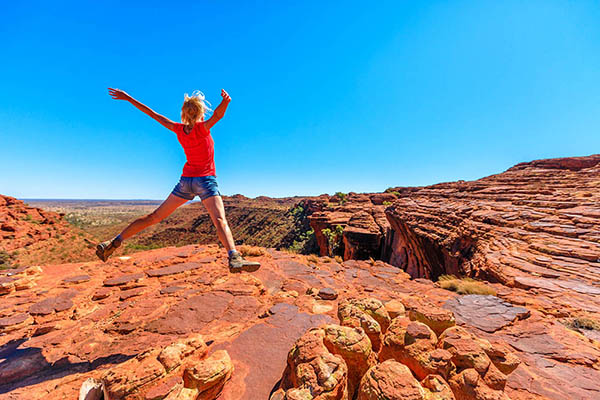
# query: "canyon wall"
540 217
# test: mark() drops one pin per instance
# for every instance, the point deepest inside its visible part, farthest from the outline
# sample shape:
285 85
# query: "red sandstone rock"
15 322
311 366
434 317
208 376
532 229
173 355
438 388
124 279
28 232
487 313
410 349
353 345
368 314
390 380
414 344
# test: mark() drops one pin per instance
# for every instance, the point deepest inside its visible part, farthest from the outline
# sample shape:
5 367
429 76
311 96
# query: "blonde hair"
194 107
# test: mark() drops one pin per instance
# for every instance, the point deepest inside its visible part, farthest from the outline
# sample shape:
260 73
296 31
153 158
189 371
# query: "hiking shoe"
105 249
237 263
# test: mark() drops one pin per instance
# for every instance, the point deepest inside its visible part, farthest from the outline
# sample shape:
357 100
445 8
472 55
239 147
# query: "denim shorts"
190 187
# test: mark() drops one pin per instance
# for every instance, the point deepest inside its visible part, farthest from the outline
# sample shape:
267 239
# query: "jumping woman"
198 178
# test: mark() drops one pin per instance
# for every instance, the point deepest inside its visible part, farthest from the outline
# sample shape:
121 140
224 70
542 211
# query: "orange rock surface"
173 323
61 331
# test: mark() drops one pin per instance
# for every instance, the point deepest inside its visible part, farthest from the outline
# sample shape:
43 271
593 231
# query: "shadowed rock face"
364 225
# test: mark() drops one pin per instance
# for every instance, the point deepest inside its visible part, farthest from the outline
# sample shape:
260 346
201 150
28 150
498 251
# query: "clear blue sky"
327 95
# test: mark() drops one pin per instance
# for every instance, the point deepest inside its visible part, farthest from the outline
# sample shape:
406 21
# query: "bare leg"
216 210
162 212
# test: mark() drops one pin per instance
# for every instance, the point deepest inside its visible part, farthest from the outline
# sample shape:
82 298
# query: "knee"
222 222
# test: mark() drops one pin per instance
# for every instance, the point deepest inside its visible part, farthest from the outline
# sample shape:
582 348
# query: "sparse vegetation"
251 251
583 323
138 246
334 238
30 219
387 203
313 258
464 285
5 260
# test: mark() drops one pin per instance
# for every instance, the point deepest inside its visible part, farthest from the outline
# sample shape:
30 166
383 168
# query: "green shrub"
297 210
464 285
387 203
304 238
342 196
334 238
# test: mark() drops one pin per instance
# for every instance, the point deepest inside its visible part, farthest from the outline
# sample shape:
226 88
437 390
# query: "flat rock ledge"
488 313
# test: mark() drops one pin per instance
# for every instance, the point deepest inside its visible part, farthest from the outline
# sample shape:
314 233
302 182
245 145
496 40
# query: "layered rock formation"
361 218
111 322
32 235
547 209
535 227
537 219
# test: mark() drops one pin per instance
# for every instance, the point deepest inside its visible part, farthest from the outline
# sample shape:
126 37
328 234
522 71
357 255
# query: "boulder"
207 377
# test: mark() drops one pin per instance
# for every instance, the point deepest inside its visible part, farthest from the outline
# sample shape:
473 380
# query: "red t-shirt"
199 150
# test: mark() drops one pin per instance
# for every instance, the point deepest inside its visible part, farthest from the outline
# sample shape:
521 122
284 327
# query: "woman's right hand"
118 94
226 97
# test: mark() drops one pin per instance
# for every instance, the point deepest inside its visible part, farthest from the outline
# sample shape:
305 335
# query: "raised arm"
219 111
118 94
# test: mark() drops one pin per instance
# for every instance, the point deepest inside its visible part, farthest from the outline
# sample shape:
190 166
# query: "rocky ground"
372 323
63 324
